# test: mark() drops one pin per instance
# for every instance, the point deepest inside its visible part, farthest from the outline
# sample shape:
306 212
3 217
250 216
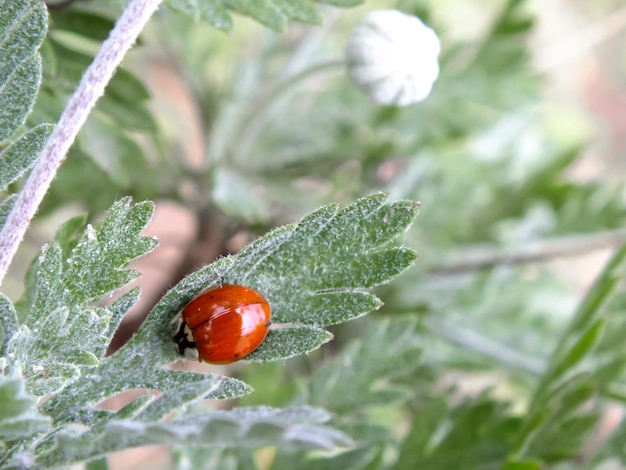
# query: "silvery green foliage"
22 30
274 14
23 25
20 155
18 414
314 273
370 371
393 57
54 340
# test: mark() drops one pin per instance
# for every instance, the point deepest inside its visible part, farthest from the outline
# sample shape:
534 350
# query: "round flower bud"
393 57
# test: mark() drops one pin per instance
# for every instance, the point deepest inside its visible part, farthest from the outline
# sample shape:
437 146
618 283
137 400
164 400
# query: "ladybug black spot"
182 341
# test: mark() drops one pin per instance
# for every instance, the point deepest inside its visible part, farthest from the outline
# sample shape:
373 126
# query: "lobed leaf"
99 257
285 343
22 30
212 11
274 14
370 371
19 417
61 333
313 273
63 338
292 428
20 156
122 372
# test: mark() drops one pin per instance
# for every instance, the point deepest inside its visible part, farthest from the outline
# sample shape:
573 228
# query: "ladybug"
223 324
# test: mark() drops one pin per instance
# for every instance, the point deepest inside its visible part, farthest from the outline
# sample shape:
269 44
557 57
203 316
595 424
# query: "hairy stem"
90 88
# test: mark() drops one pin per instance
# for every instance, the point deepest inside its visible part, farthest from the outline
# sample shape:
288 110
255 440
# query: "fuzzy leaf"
20 156
63 338
69 233
300 10
99 256
18 414
285 343
212 11
313 273
264 11
291 428
8 321
22 29
369 371
61 333
122 372
5 208
274 14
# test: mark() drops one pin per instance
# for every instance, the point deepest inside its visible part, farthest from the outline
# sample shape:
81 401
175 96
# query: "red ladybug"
223 324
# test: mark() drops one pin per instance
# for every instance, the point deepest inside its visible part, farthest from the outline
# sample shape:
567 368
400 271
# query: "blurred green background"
517 157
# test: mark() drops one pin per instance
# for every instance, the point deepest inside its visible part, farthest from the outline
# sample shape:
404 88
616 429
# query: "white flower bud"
393 57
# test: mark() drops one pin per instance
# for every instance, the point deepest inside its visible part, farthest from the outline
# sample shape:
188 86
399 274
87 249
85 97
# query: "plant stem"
475 260
91 87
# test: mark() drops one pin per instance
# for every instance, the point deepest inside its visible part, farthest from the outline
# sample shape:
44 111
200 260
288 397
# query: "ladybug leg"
185 342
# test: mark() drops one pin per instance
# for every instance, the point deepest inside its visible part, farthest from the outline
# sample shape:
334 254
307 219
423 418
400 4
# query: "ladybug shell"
227 322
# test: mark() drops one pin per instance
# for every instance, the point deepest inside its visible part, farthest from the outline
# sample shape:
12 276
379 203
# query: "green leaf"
120 307
5 208
586 327
98 257
525 465
358 459
63 338
342 3
211 11
8 322
285 343
264 11
20 156
17 96
62 332
84 23
581 350
69 233
19 417
370 371
131 118
569 381
300 10
272 13
475 434
291 428
109 148
62 342
22 29
313 273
